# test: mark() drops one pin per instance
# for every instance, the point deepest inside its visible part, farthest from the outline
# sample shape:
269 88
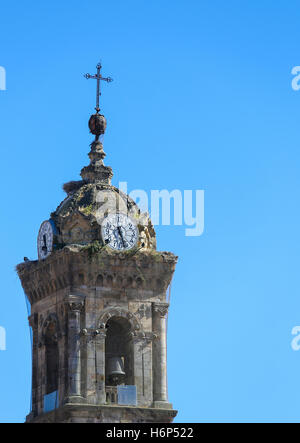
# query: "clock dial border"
46 239
118 233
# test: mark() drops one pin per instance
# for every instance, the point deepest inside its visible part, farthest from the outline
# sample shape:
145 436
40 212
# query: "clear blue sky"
202 99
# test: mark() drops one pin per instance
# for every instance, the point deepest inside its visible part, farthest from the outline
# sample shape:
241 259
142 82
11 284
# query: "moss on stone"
93 249
87 210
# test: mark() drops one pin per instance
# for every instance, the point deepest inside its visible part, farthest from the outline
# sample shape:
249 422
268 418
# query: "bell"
115 370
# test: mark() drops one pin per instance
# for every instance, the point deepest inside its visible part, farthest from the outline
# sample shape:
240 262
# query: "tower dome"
78 219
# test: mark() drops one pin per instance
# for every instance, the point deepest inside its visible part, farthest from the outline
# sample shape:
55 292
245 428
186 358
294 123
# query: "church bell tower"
98 304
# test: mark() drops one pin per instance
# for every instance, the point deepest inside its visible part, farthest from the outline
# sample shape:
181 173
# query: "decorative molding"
43 278
100 335
116 311
161 308
143 336
75 302
93 333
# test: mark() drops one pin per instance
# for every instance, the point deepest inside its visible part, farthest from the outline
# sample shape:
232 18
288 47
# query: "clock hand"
121 235
117 236
44 248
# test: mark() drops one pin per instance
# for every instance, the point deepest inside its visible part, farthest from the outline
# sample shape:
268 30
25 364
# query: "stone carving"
75 303
67 263
143 336
99 334
161 308
76 306
120 312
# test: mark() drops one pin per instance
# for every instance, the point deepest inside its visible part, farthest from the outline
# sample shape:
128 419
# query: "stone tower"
98 306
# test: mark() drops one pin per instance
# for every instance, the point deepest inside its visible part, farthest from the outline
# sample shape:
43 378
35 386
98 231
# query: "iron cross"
98 77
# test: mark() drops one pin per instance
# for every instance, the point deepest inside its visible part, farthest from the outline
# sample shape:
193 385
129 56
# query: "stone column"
100 366
90 375
75 304
160 389
142 367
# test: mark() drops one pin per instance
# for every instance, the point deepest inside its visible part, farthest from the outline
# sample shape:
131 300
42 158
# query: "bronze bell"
115 370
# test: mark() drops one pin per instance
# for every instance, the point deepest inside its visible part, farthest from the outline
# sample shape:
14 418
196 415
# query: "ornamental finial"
97 122
97 171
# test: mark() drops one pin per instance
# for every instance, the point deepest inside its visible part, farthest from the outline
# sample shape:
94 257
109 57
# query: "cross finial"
98 77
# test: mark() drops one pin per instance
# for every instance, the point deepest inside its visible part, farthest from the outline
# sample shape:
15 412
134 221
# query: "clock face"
45 240
119 232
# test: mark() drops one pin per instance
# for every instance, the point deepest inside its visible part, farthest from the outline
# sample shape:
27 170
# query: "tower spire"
96 171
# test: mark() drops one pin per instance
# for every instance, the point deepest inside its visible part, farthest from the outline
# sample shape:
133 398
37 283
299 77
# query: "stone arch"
119 312
119 352
99 281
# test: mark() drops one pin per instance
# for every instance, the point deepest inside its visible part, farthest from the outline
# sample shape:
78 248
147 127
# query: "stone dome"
78 218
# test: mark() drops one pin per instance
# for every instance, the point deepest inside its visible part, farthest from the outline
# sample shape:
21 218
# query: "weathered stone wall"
79 290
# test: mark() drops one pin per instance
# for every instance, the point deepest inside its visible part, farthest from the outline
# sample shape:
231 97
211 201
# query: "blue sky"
201 99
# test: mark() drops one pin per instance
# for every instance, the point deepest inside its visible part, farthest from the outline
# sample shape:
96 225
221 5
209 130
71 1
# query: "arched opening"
52 357
118 352
99 281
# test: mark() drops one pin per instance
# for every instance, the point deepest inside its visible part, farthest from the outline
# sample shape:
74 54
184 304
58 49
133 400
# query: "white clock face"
45 240
119 232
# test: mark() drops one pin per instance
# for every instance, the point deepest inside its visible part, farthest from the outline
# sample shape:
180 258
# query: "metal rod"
98 77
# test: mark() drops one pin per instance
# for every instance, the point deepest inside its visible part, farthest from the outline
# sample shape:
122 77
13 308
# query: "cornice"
73 267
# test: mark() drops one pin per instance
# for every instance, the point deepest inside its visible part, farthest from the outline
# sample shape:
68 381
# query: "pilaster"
160 389
75 304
